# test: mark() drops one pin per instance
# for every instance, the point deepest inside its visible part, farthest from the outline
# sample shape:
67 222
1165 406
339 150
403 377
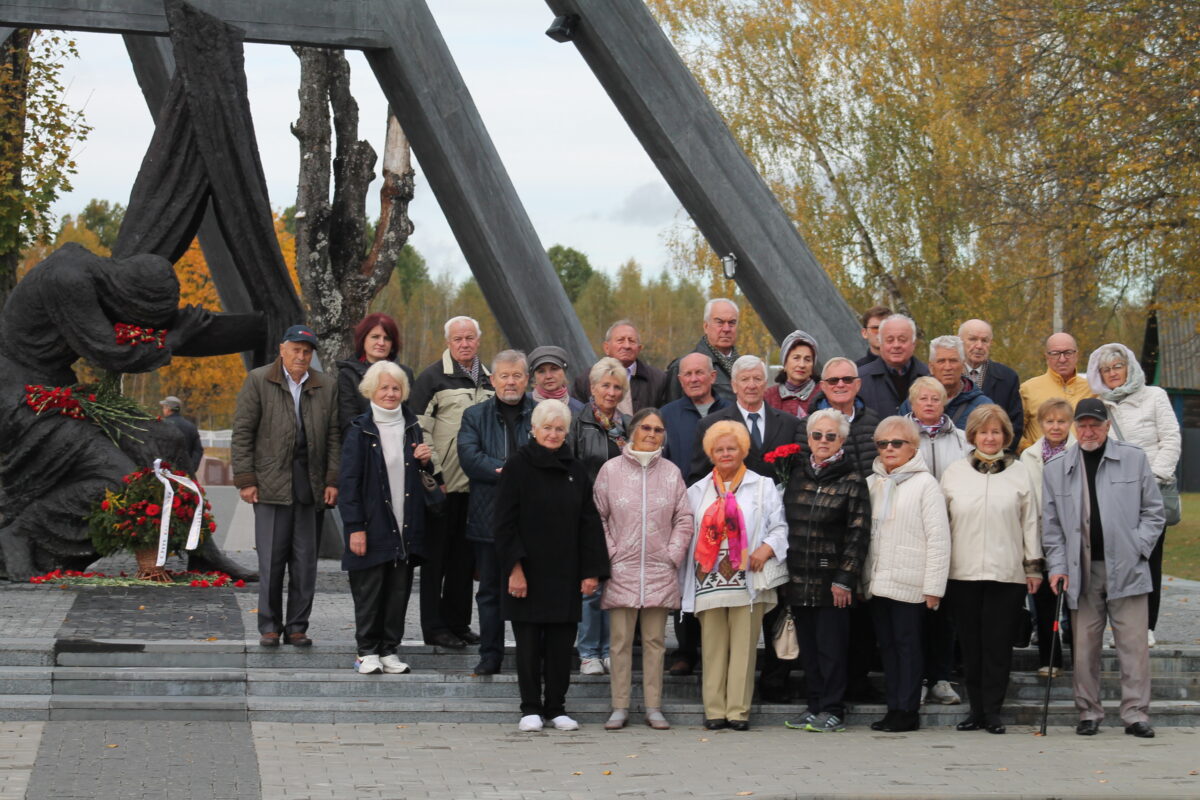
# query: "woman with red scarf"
738 557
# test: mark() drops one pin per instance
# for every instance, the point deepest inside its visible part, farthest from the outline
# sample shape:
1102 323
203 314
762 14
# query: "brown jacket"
264 433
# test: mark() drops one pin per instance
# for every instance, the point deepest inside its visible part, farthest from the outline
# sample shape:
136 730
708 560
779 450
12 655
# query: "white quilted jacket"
1146 419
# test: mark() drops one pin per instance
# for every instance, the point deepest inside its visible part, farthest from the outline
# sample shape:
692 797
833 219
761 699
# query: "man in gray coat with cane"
1102 515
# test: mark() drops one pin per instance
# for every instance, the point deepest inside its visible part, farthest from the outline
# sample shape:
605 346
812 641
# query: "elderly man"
1102 516
646 383
681 418
442 392
1059 380
548 371
946 357
171 406
839 389
871 320
490 433
719 343
286 449
885 381
994 379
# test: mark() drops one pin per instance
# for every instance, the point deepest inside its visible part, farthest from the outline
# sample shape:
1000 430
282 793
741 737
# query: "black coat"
546 520
879 392
860 444
780 429
365 496
722 388
647 387
1003 385
590 443
351 403
829 529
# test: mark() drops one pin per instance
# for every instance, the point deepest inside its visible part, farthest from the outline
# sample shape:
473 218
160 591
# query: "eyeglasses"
884 444
1112 368
817 436
657 430
1060 354
835 381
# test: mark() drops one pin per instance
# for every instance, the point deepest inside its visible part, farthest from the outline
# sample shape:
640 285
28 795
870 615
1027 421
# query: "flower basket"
130 520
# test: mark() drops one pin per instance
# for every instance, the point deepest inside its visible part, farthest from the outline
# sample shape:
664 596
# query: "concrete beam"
709 173
431 101
320 23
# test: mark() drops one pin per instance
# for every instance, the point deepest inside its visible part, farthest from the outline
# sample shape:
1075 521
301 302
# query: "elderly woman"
797 388
551 547
1141 415
599 432
383 513
907 563
1055 417
736 559
827 511
376 338
995 559
643 505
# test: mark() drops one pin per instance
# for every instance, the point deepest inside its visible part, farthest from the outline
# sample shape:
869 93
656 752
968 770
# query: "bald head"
696 377
977 341
1062 355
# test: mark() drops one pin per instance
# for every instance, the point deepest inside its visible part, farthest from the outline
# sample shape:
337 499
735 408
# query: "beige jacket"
993 523
439 397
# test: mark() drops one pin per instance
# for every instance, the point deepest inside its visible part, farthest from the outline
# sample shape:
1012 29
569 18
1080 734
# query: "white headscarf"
1135 376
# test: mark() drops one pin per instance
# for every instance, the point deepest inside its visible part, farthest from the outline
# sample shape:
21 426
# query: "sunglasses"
817 436
884 444
836 381
657 430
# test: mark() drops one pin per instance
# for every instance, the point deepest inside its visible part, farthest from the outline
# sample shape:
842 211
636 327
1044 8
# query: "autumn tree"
572 268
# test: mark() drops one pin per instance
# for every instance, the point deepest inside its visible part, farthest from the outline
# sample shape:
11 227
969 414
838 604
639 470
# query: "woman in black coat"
383 511
551 545
376 338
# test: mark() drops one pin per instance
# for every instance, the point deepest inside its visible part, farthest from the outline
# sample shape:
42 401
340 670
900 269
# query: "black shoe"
487 668
681 667
744 725
469 636
883 724
1088 727
970 724
902 722
1142 730
445 639
995 727
269 640
715 724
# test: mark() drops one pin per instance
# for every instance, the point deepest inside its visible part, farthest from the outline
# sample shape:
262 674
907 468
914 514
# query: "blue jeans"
487 598
593 628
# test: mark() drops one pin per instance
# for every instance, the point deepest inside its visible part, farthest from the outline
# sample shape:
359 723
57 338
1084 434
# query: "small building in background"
1171 355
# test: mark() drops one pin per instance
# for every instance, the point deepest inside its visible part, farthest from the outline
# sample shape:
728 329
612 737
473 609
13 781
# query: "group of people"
886 505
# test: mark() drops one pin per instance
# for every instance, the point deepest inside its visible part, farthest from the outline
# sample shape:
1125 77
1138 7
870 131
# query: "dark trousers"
824 636
544 651
774 672
380 597
938 638
863 655
1045 603
487 599
898 628
986 615
687 634
1156 557
285 537
448 570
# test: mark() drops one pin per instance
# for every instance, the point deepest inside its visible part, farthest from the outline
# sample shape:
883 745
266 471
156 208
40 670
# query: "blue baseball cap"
300 333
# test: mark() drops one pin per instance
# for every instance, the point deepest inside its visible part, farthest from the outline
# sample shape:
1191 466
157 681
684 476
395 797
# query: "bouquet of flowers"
102 403
782 458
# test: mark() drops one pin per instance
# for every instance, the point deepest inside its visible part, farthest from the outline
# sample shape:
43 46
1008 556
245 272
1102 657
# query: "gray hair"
1109 354
708 307
456 320
621 323
947 343
708 362
912 326
370 382
911 434
608 368
747 362
839 360
843 424
510 357
548 410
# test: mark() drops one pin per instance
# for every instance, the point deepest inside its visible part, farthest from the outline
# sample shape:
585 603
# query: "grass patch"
1181 556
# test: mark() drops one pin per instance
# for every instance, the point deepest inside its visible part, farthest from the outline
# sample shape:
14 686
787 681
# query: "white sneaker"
564 723
924 692
591 666
1150 642
369 665
607 664
392 665
944 693
530 723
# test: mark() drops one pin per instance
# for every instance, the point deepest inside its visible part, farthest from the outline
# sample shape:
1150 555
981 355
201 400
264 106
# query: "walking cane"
1056 640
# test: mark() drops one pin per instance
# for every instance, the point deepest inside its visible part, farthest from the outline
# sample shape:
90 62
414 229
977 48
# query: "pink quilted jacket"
648 526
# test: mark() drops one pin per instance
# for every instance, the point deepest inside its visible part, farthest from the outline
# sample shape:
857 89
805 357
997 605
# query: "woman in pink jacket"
642 502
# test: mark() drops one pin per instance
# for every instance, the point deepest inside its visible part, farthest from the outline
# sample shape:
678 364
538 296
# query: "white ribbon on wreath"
165 477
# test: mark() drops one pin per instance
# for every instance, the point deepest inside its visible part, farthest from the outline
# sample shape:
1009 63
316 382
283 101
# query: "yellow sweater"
1036 391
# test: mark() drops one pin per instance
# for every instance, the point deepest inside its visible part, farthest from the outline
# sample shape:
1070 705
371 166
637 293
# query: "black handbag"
435 498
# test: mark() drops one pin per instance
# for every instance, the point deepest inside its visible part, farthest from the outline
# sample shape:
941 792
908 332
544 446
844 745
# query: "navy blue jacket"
960 406
681 419
878 391
1003 385
365 496
482 449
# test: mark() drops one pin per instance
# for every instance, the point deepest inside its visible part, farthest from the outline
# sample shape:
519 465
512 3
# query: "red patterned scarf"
722 521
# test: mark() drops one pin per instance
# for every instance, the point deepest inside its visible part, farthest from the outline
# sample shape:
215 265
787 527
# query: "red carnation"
153 510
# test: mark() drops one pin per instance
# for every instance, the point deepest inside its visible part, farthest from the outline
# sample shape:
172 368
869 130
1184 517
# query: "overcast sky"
582 176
